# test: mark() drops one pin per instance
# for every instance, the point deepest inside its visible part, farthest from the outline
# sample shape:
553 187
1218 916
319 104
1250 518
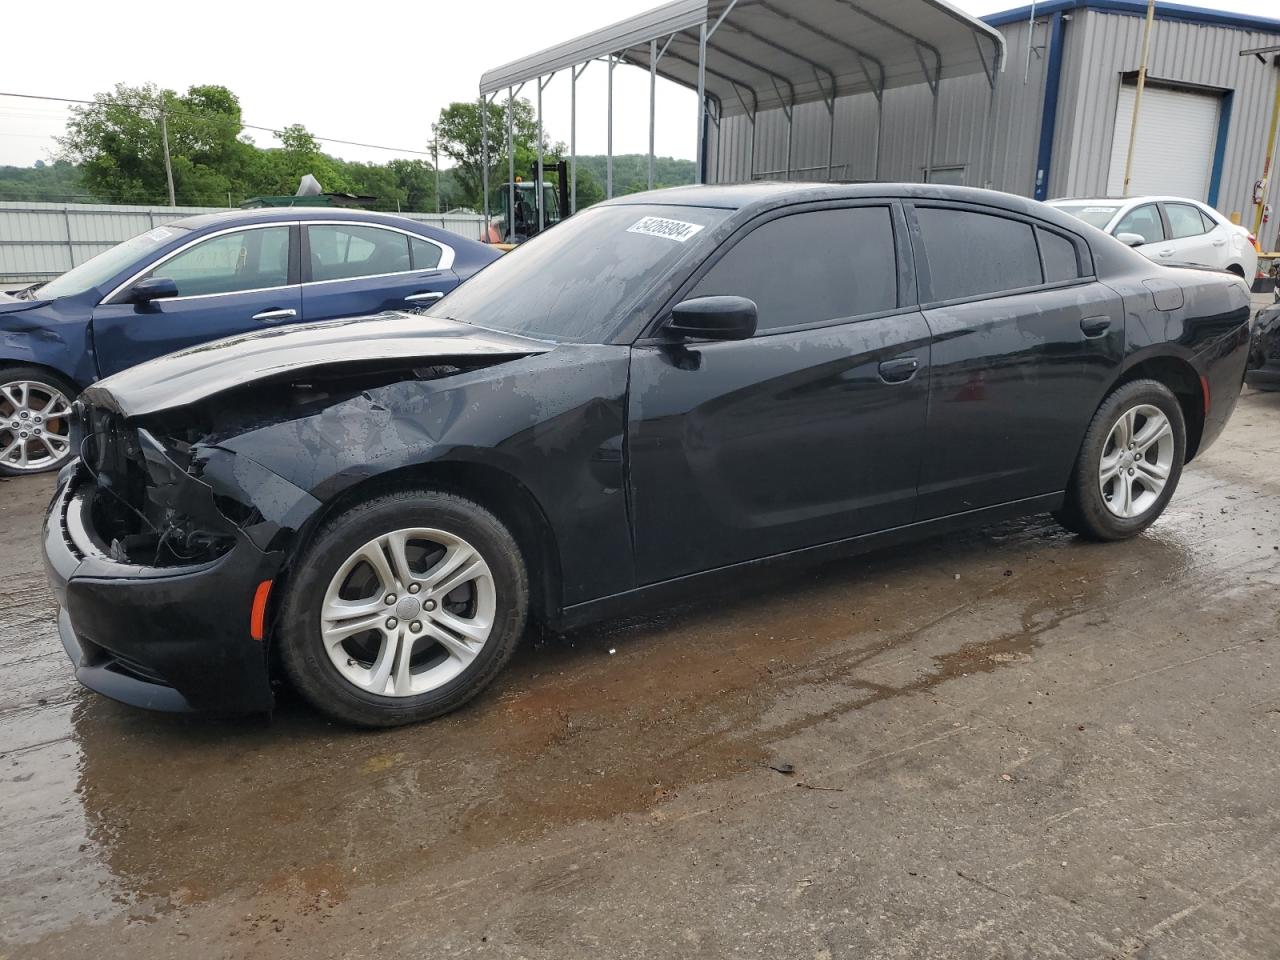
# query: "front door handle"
1165 253
270 316
899 369
427 296
1095 326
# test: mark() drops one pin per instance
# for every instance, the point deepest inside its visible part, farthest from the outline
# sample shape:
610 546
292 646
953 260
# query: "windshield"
98 270
579 281
1094 214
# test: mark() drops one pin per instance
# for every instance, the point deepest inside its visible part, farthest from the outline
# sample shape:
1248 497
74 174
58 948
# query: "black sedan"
1264 356
665 388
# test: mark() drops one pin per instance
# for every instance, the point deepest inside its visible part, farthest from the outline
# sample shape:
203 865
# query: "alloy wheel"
1136 461
35 426
408 612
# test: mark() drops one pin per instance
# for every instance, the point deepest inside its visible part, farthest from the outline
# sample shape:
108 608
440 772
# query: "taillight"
1254 240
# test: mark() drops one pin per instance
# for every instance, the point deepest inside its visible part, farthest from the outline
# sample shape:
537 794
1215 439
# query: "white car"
1172 230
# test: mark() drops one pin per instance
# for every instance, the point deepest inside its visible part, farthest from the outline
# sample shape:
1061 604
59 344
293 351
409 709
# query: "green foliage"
461 132
112 152
58 181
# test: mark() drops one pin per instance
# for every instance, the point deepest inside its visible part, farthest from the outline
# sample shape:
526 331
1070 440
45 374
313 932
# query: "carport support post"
653 79
511 167
608 160
573 138
484 154
538 186
702 100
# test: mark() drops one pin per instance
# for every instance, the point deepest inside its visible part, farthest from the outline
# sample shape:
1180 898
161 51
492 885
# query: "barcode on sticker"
676 230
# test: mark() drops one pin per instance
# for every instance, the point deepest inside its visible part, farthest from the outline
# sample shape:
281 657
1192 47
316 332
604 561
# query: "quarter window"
1059 256
1144 221
230 263
1184 220
971 254
813 267
426 255
346 251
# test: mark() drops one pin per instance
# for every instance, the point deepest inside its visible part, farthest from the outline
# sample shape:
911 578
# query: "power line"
274 131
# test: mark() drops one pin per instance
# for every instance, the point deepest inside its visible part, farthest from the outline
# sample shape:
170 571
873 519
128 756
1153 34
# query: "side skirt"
682 588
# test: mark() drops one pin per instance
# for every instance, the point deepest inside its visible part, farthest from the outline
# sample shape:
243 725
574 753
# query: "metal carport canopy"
778 53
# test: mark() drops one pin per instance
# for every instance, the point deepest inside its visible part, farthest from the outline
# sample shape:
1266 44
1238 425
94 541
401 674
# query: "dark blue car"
200 279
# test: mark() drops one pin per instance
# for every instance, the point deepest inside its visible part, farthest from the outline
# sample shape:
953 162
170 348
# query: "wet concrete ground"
1005 744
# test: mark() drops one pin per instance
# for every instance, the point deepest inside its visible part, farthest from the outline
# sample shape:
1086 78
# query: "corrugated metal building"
1066 88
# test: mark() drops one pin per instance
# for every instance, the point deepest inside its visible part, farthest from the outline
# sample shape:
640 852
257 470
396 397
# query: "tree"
460 131
116 141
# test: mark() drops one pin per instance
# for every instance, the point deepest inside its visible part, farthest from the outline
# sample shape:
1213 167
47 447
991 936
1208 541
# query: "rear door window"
346 251
1184 220
836 264
1144 221
971 253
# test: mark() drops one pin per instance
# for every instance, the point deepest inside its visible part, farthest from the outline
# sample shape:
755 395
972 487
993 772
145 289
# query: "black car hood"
203 371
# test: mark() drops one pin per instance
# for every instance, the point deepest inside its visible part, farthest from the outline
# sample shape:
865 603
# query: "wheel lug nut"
415 626
391 623
389 599
414 588
429 605
1131 471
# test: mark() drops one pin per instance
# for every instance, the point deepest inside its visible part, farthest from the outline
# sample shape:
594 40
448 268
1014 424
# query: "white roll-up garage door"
1173 153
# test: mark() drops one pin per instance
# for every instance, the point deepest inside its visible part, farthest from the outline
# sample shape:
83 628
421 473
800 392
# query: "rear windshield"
1094 214
578 281
98 270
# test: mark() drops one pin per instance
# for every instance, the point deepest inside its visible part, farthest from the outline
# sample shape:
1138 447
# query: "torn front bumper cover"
172 637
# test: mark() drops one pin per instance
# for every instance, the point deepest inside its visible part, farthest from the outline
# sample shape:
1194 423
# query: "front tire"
36 426
1129 463
403 608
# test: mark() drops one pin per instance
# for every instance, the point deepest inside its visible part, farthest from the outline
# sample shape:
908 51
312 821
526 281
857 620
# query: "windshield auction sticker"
159 233
676 230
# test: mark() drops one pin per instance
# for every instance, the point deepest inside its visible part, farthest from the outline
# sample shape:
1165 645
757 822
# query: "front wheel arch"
492 488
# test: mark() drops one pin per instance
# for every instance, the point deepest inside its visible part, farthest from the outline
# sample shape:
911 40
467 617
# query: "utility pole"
1137 97
435 162
164 140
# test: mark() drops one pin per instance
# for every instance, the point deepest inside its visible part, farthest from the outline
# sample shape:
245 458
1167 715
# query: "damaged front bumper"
172 634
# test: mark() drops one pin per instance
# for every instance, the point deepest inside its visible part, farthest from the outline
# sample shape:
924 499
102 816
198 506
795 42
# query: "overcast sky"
378 72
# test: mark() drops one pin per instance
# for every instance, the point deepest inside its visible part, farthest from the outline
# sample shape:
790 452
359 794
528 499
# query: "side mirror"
713 318
153 288
1131 239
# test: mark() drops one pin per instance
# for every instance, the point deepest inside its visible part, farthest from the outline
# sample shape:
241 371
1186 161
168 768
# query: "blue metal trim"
1220 148
1049 115
1138 8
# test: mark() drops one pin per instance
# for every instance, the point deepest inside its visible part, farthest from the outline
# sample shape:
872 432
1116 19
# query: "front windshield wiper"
29 293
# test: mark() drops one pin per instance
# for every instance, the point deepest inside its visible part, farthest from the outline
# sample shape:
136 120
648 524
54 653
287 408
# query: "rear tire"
371 630
37 430
1129 463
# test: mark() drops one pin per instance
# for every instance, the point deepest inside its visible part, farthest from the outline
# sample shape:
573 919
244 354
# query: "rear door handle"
899 369
270 316
1095 326
427 296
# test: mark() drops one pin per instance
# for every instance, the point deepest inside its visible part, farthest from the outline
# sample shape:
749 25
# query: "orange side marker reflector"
258 616
1204 386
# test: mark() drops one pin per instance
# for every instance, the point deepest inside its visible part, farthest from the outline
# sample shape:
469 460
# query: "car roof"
234 218
765 194
1129 201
